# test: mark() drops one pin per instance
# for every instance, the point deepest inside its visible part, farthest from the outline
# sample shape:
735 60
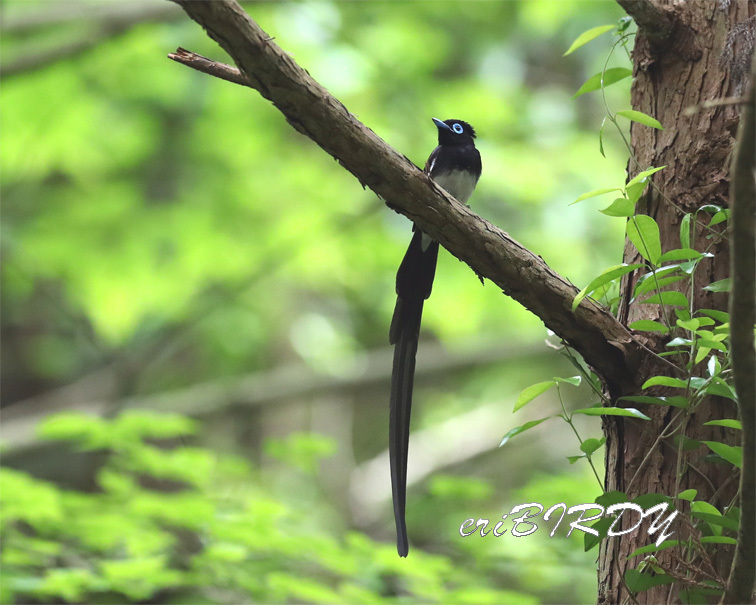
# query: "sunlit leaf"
648 325
587 36
610 76
732 453
604 278
610 411
594 193
682 254
591 445
723 285
665 381
643 175
728 422
720 217
522 429
641 118
643 231
668 297
533 391
688 494
685 231
619 207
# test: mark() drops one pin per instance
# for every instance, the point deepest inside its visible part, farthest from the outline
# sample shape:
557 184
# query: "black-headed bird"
455 166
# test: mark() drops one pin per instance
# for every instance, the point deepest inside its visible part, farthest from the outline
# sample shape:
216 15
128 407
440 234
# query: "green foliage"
184 524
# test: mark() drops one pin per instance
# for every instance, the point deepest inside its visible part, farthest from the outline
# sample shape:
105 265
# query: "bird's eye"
457 128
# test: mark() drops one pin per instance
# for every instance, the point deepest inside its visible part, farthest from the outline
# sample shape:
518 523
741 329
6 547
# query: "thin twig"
210 67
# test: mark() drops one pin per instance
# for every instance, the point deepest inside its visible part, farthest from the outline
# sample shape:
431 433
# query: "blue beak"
439 124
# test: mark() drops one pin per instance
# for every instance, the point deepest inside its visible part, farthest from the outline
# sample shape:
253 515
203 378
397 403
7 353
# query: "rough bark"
687 57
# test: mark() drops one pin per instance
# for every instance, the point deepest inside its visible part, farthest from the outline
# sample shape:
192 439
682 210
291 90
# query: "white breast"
459 183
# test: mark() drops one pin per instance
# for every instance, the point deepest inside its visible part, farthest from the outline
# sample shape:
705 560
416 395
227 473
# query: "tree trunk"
684 56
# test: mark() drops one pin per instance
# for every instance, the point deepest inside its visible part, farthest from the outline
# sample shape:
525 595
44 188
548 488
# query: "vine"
697 335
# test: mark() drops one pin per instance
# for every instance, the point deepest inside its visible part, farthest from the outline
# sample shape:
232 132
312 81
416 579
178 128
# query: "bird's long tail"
414 282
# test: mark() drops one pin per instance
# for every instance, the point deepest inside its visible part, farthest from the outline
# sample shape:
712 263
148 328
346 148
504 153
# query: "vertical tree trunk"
685 55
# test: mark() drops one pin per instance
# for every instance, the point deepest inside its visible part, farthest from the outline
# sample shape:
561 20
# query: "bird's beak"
439 124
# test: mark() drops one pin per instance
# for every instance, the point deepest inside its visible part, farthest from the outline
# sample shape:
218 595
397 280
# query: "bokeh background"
196 300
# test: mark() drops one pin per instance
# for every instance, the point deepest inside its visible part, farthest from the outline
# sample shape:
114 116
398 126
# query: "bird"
454 165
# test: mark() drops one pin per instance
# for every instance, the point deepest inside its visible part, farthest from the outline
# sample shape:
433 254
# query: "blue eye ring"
457 128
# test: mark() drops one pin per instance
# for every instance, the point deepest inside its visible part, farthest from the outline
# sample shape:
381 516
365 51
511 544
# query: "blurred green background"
196 300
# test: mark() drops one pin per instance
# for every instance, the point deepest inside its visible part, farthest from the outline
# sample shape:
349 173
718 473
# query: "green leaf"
720 217
718 540
665 381
641 118
732 453
594 193
676 401
643 231
655 283
591 445
522 429
533 391
711 344
607 78
574 459
688 494
716 521
707 512
643 550
689 324
728 422
668 298
642 176
720 316
601 526
575 381
710 208
619 207
649 500
634 191
587 36
685 231
682 254
638 582
723 285
604 278
601 137
613 497
654 277
648 325
612 412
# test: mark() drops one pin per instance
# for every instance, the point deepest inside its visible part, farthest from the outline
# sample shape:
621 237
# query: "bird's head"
454 132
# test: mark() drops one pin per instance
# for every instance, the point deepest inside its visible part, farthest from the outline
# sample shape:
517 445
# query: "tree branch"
605 344
740 585
210 67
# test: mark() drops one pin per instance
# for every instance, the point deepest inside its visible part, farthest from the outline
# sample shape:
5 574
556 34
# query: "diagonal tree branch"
604 343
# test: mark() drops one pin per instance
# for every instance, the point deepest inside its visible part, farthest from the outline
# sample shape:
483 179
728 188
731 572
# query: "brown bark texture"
685 55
